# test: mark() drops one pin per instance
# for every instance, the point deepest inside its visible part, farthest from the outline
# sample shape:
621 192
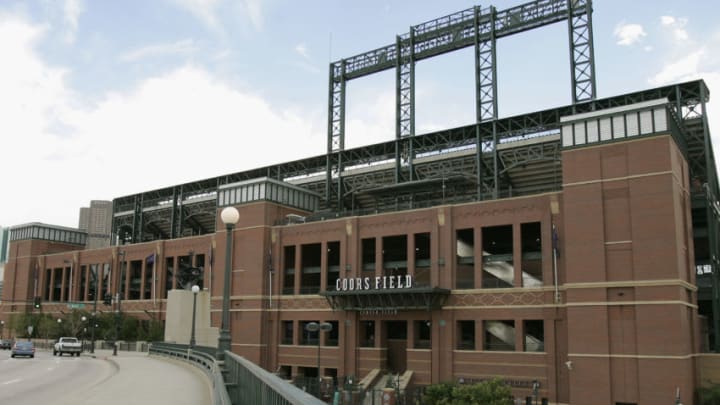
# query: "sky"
102 99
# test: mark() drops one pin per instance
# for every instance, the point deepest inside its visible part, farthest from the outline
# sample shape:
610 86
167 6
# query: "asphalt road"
127 379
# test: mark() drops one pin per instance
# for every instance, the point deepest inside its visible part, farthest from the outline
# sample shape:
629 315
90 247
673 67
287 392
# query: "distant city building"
96 220
4 242
4 232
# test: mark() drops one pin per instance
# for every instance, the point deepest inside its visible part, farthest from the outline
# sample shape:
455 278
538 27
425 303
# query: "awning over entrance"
388 300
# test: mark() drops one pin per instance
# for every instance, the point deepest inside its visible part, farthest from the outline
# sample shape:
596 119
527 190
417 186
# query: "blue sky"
102 98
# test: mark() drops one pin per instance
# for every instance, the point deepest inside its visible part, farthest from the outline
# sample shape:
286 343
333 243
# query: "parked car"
23 348
5 344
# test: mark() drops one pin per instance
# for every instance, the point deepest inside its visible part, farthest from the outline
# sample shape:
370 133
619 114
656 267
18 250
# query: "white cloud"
628 34
204 10
181 126
211 12
71 15
667 20
683 68
182 47
301 49
676 26
254 12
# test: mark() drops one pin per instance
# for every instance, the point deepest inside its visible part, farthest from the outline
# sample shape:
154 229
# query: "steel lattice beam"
581 50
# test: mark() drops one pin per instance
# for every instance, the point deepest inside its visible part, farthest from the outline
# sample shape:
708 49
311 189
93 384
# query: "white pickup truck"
67 345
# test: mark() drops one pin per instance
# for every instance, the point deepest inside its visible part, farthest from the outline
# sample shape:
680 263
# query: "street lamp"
318 327
94 313
2 329
59 321
119 300
82 339
229 217
195 290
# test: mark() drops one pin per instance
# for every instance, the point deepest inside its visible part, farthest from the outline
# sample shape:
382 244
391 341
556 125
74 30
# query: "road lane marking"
12 381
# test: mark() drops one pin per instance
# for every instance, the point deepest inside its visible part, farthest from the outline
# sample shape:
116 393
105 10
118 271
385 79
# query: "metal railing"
250 384
202 357
237 381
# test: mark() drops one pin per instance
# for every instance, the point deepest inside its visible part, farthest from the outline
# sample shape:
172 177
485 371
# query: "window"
531 254
499 335
422 259
333 264
307 337
465 259
287 333
497 263
135 279
466 335
368 257
394 255
289 270
310 280
423 334
367 333
534 335
332 336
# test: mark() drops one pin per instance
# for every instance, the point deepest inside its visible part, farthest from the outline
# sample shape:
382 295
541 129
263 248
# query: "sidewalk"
142 379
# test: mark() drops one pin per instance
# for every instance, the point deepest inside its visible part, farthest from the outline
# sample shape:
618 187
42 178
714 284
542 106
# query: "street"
129 378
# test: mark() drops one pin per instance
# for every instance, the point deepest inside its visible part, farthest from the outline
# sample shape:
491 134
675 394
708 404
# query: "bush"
491 392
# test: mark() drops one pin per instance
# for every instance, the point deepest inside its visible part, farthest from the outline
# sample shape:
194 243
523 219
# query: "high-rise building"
96 220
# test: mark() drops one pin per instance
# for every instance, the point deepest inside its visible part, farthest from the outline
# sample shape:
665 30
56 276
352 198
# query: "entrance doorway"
396 343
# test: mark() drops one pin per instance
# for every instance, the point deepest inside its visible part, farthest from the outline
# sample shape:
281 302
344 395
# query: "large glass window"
422 259
465 264
287 332
368 257
308 337
83 283
288 270
135 279
93 277
367 333
534 335
395 255
498 270
423 335
48 284
531 254
465 335
499 335
333 264
310 280
332 336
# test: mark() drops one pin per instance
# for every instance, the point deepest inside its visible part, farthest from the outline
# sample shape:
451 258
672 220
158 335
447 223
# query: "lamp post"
195 291
229 217
94 313
59 321
2 329
119 300
82 339
318 327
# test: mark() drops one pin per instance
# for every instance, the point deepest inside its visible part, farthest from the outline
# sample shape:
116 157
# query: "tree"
490 392
710 395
